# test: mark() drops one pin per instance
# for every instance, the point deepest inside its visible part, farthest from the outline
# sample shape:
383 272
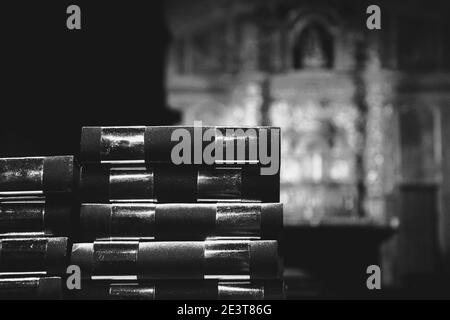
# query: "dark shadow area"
55 80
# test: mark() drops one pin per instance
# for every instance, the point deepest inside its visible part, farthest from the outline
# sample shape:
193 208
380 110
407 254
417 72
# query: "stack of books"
36 211
158 220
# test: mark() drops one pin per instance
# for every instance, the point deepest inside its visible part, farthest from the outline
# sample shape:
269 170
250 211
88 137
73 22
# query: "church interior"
364 116
364 133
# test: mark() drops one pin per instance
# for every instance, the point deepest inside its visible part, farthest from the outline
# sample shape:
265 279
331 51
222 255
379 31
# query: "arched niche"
312 40
313 48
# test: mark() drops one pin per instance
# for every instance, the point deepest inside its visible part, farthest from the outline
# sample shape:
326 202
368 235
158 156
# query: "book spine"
155 144
182 290
33 217
171 259
169 221
177 184
37 175
33 254
30 288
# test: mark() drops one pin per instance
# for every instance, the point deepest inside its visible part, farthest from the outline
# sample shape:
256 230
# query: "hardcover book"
234 145
177 184
35 287
180 221
33 255
51 218
37 176
181 290
178 259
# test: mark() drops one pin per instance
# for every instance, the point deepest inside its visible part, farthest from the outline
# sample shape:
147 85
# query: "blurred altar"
362 115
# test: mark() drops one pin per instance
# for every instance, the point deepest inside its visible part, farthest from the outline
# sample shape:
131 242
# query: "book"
144 144
24 235
37 176
180 289
34 217
33 255
103 183
215 259
30 287
180 221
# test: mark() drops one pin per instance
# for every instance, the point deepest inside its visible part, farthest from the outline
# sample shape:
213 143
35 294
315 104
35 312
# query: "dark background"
55 80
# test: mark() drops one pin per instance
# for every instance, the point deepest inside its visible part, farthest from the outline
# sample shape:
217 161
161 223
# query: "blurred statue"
313 55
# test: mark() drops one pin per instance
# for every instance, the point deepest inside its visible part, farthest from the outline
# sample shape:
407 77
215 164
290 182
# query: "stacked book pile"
36 205
154 228
148 227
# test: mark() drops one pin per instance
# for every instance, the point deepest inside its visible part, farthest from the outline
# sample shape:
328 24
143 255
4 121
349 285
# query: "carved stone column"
379 117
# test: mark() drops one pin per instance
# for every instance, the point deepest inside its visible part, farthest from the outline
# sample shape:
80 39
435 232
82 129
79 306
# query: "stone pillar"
378 115
231 46
444 218
249 47
188 55
380 149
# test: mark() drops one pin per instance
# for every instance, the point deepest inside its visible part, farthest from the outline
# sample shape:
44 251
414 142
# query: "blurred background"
365 118
364 174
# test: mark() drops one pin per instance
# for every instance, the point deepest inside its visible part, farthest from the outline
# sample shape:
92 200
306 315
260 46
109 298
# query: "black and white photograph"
246 152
